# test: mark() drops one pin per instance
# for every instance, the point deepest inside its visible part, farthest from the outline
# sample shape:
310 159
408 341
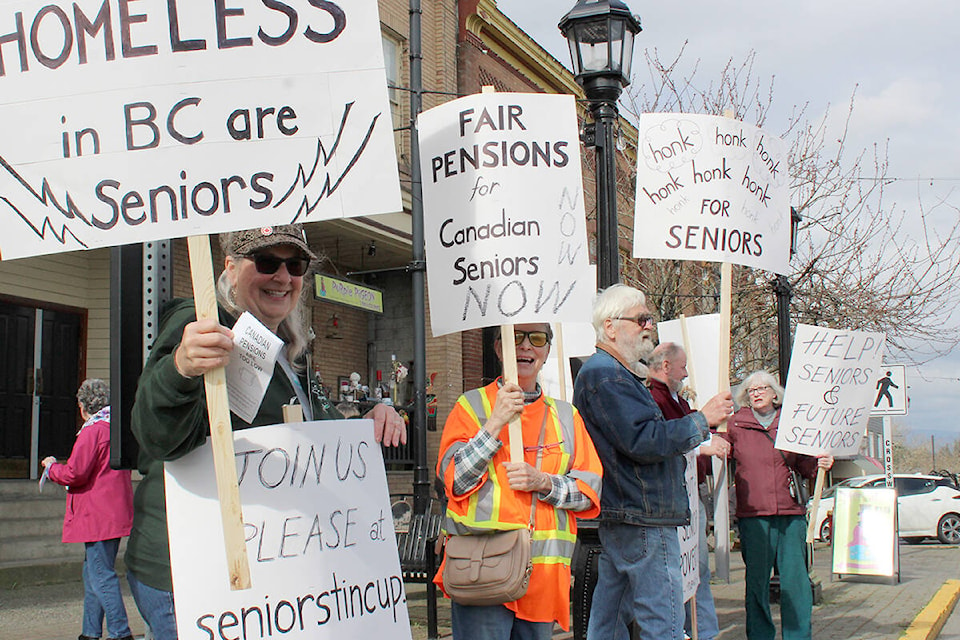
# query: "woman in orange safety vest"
486 492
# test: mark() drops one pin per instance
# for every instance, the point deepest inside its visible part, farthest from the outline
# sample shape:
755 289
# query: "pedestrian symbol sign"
891 391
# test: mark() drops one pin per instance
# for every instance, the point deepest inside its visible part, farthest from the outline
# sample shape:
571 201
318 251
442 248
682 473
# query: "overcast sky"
901 59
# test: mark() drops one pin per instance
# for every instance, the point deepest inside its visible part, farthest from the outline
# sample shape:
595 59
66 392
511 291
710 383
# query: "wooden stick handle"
509 351
815 505
726 297
221 433
561 361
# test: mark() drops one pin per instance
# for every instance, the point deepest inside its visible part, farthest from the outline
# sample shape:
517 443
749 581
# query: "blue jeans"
781 539
638 579
101 591
495 622
156 608
707 625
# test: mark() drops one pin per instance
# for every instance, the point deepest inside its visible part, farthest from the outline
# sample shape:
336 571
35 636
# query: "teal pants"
780 540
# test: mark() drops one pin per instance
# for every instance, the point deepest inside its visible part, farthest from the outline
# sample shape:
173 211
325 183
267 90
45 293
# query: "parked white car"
927 507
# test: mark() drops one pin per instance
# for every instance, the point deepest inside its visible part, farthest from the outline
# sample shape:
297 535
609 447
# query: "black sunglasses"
643 319
268 264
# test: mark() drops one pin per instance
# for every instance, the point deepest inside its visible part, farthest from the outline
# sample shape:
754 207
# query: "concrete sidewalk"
852 609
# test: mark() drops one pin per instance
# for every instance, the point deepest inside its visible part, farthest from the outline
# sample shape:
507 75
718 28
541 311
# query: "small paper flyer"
251 366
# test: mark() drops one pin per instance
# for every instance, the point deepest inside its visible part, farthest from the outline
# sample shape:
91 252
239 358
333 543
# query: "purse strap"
780 451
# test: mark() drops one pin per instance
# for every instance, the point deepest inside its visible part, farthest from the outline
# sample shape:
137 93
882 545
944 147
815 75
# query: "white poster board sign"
703 356
579 341
689 535
503 211
320 539
167 119
711 188
830 390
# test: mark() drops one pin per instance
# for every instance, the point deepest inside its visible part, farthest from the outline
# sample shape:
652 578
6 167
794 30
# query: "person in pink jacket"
99 512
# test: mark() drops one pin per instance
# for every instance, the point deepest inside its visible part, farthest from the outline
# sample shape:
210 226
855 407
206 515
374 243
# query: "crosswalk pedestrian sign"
891 391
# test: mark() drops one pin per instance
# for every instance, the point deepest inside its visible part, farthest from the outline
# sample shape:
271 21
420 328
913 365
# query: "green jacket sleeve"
169 415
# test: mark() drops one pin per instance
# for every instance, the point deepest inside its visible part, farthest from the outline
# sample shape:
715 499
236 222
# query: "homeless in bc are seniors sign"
503 211
135 120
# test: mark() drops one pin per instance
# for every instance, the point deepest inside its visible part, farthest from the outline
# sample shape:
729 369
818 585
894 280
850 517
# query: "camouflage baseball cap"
243 243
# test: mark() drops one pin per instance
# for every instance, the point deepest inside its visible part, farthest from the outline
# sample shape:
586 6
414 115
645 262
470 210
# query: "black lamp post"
784 292
600 34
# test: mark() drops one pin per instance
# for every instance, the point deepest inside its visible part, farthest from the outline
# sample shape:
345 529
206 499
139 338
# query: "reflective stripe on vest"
548 546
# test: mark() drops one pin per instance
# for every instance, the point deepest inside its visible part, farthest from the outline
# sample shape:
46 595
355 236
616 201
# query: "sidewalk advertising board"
133 122
711 188
829 391
865 532
503 212
319 538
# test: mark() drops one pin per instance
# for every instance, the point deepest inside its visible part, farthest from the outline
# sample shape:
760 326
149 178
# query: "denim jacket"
641 452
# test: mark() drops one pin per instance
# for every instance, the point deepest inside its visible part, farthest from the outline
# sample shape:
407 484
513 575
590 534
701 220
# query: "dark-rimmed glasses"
643 319
268 264
758 390
536 338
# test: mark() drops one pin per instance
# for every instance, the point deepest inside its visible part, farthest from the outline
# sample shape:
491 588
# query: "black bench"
416 544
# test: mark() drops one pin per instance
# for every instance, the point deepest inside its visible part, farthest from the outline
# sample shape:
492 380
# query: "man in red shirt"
667 371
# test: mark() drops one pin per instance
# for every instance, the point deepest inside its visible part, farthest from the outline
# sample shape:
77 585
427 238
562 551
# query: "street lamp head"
600 34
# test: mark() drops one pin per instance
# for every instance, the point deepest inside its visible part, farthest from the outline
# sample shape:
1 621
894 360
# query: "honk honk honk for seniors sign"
127 122
711 188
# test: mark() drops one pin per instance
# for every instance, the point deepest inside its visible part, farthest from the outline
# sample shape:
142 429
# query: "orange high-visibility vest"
493 506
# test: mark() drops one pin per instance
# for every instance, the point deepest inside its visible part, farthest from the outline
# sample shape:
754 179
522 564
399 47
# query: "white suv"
927 506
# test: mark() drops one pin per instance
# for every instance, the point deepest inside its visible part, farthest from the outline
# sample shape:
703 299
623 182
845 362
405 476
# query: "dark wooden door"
50 384
58 381
16 388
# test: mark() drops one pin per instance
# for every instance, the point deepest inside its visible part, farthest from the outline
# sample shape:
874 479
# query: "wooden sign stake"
509 351
561 362
221 433
815 506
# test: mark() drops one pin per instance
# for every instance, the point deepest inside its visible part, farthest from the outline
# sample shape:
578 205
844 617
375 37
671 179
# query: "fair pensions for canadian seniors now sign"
711 188
134 120
503 211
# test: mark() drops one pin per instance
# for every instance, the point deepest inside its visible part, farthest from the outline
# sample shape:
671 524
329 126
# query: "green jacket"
169 420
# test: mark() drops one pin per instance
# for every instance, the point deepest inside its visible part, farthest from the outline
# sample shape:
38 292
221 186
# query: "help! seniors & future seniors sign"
711 188
503 211
319 537
128 121
830 390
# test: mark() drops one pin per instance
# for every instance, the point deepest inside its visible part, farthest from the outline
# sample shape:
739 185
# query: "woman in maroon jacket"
772 523
99 512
